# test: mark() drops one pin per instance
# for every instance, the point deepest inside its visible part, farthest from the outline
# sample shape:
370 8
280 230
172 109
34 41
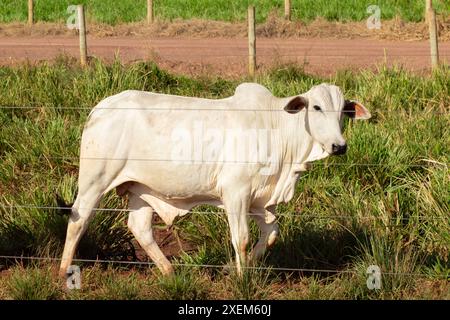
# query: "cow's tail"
64 208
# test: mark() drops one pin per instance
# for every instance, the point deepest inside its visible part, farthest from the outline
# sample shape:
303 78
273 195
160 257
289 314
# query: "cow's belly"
173 181
168 208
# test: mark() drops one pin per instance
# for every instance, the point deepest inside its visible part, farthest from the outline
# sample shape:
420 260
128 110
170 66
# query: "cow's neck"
297 145
296 149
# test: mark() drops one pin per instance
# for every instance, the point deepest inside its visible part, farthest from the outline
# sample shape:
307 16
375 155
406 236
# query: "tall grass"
344 216
114 12
33 283
185 284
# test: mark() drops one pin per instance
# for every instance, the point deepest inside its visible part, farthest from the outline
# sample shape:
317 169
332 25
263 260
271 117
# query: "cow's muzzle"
338 149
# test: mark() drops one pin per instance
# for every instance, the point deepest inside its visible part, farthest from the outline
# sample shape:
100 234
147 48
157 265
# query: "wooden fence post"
287 9
434 48
30 12
82 31
428 6
149 11
251 41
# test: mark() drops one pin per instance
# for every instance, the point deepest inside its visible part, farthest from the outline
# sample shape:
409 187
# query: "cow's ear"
296 104
355 110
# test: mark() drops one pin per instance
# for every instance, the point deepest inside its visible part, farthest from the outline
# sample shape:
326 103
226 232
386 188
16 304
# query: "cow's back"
155 137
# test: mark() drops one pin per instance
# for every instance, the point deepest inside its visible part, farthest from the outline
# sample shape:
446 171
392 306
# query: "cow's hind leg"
268 234
82 211
140 224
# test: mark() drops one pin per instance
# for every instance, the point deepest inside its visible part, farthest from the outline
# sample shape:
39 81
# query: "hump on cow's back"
249 95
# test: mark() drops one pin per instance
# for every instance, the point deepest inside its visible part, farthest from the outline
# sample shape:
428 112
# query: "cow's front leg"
82 212
237 207
140 224
268 233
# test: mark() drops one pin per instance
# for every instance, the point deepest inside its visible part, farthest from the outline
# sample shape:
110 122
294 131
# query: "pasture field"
114 12
385 203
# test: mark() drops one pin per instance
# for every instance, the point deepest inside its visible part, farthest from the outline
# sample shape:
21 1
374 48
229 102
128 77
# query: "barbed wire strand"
292 214
305 56
308 53
53 108
268 162
216 266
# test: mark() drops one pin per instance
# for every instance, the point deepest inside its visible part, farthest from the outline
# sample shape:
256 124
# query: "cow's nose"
338 148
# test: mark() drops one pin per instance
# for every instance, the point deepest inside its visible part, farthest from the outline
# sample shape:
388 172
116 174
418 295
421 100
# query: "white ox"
171 153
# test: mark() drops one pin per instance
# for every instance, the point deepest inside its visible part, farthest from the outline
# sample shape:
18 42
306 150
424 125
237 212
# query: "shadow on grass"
316 248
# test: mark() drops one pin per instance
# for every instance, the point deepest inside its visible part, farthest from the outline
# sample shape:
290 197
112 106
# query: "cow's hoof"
168 271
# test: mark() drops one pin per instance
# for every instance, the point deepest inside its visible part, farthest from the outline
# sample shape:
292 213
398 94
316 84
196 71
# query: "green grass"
34 283
253 284
113 283
185 284
113 12
394 214
116 287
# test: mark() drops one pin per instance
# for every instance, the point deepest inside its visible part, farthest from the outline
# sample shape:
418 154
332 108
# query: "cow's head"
326 108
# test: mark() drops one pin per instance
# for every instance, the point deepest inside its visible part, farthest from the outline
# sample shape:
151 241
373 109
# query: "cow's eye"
317 108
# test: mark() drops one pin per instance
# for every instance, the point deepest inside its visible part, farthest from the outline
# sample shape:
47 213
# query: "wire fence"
363 52
169 109
263 54
197 161
297 56
290 214
231 266
372 22
242 56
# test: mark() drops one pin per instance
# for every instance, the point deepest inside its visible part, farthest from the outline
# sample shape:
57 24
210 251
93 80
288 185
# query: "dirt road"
228 57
